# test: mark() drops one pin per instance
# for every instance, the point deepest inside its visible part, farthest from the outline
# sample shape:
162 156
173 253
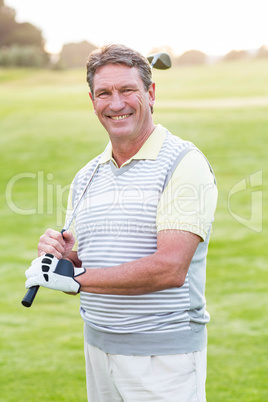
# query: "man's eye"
102 94
127 90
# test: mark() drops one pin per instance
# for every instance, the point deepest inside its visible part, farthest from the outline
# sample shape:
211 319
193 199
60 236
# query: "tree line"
193 57
22 45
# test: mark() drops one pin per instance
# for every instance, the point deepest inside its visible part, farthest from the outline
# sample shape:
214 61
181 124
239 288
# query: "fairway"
48 131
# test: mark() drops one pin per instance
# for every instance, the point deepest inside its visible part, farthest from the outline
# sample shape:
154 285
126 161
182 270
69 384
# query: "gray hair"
118 54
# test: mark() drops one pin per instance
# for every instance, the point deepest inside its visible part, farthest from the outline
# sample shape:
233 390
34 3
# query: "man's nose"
117 102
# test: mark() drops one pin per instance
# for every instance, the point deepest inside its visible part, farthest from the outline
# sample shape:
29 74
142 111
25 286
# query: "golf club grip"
29 297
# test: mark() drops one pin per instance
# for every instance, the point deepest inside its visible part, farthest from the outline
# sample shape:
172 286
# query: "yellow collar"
149 150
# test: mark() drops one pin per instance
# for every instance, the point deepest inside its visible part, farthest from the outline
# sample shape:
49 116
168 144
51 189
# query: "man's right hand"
53 243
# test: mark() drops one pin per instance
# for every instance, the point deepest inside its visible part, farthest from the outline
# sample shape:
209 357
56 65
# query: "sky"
212 26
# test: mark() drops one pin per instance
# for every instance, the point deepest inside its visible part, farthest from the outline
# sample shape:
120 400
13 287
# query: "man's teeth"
120 117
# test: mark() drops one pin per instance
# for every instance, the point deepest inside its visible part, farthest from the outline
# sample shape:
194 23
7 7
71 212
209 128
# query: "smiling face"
122 104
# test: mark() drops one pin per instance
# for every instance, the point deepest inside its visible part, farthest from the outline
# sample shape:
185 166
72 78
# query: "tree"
7 22
75 54
13 33
21 45
234 55
191 57
25 34
262 52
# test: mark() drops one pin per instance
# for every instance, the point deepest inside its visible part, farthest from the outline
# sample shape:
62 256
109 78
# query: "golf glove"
52 273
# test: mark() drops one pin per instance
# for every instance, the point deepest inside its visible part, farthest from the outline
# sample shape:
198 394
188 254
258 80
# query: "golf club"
160 61
32 291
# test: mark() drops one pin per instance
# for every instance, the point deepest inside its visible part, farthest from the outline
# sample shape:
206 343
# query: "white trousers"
118 378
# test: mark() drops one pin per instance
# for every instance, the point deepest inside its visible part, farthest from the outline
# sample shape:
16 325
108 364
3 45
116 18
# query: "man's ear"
152 94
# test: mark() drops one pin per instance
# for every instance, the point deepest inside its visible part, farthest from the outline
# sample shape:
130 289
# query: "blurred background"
215 95
61 34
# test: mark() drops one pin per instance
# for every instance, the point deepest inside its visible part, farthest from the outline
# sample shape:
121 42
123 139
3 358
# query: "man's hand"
53 243
55 274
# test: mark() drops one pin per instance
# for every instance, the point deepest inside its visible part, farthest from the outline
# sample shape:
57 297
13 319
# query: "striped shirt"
117 223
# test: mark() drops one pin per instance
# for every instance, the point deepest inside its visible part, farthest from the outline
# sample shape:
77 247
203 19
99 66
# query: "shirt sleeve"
68 213
189 200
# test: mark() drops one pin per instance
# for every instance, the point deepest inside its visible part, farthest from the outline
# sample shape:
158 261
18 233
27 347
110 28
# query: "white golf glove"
52 273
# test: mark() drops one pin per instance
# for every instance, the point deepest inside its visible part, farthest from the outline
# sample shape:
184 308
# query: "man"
139 245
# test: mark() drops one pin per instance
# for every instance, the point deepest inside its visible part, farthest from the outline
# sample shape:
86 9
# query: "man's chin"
118 130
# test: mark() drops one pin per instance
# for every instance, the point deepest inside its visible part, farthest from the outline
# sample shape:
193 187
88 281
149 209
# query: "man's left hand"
55 274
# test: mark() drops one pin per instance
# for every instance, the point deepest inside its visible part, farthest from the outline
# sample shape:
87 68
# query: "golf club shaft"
32 291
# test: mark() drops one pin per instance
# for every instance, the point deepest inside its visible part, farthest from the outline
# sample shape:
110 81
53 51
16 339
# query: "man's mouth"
120 117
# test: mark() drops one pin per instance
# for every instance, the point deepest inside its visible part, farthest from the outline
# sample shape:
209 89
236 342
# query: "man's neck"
125 150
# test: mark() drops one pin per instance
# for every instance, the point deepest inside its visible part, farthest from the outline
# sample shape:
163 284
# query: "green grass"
48 131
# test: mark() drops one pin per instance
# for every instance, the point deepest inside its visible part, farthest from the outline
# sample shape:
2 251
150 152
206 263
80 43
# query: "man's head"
118 54
122 93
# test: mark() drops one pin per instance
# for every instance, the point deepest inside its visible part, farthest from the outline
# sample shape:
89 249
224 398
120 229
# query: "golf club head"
160 61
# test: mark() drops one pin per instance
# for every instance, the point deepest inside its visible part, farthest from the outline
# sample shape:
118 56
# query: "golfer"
138 245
